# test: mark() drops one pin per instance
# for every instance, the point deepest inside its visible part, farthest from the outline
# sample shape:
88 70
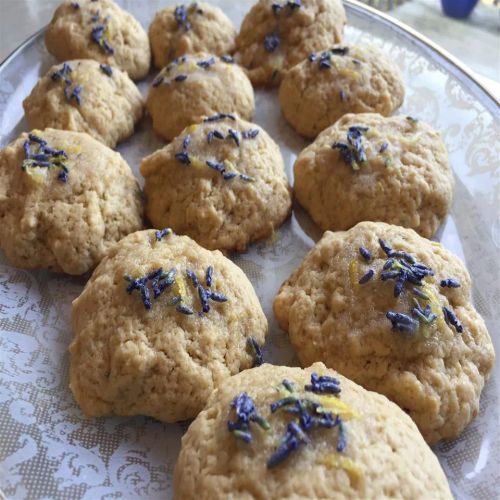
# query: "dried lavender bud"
365 253
256 350
184 309
246 413
384 146
323 384
233 134
209 276
450 283
219 117
402 322
366 277
183 157
106 69
271 42
250 134
205 64
452 320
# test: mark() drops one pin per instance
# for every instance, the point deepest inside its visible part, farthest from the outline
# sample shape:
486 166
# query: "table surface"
474 41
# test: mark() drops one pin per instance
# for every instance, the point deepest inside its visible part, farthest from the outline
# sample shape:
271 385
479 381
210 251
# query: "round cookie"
65 199
233 448
392 311
157 342
86 96
367 167
345 79
221 182
275 36
196 27
100 30
195 86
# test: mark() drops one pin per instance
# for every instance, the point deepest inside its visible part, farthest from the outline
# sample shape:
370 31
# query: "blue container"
458 8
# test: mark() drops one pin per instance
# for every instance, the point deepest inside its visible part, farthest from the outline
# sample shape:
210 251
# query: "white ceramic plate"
47 448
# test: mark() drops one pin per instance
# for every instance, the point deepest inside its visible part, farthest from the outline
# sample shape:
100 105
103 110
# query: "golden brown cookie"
159 325
190 28
86 96
275 36
392 311
345 79
195 86
279 432
368 167
221 182
65 199
100 30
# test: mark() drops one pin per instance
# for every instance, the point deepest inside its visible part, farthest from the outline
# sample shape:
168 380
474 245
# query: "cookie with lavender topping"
160 324
100 30
280 432
368 167
392 311
195 86
277 35
65 199
222 182
345 79
86 96
190 28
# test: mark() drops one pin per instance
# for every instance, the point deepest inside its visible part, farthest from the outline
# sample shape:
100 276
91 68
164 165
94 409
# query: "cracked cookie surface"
221 182
368 167
64 204
86 96
315 93
165 360
194 86
190 28
433 367
275 36
385 455
99 30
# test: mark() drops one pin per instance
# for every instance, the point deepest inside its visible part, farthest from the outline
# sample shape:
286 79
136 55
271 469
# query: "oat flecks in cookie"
225 187
312 470
370 167
191 28
401 334
195 86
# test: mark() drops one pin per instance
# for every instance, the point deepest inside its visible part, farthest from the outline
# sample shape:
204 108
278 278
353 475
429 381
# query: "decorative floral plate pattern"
47 448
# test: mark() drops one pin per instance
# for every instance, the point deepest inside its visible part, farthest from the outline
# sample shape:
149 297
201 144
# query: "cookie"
100 30
392 311
86 96
275 36
190 28
367 167
345 79
279 432
195 86
161 322
221 182
65 199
